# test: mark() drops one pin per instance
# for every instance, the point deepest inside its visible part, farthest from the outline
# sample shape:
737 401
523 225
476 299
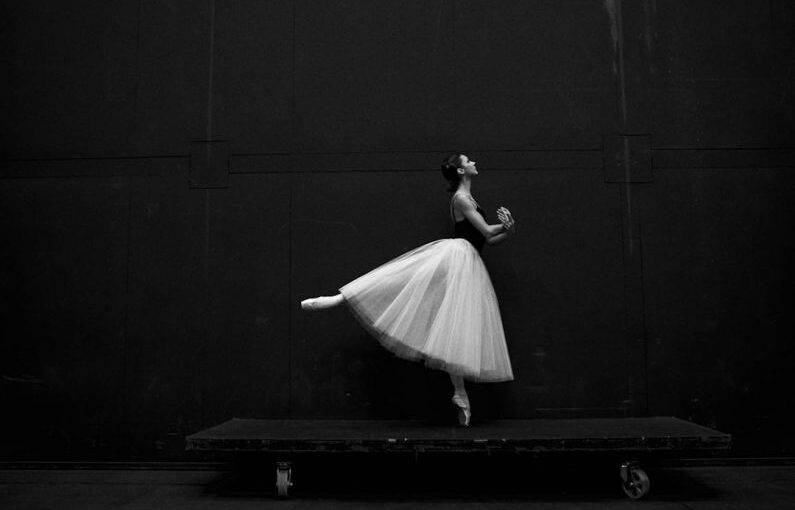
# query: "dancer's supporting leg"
322 302
461 399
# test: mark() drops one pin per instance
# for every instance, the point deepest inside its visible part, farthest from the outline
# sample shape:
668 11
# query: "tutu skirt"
435 303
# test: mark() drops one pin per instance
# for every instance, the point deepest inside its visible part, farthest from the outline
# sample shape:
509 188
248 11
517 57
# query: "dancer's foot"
319 303
464 411
309 304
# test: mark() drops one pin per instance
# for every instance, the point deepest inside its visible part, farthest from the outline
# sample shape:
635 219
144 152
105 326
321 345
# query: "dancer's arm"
469 211
498 238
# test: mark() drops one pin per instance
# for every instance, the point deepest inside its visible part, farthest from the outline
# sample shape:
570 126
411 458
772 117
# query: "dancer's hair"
450 167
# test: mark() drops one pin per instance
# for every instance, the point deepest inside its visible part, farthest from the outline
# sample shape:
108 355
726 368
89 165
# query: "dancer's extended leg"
322 302
461 399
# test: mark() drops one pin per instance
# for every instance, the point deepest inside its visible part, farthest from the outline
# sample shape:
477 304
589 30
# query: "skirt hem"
403 351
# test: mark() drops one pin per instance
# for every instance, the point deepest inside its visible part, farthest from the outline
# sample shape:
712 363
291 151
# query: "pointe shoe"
310 304
322 302
464 412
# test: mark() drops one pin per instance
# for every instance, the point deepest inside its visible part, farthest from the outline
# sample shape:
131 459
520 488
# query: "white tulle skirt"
435 303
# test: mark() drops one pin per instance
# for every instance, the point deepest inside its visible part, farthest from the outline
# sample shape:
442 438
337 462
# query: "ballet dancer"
436 303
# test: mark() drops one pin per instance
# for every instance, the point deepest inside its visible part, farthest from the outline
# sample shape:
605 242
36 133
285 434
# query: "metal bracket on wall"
627 158
209 164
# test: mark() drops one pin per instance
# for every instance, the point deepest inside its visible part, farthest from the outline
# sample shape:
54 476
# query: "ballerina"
436 303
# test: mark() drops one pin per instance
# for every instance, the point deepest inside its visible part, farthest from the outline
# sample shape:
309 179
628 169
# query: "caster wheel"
283 482
634 481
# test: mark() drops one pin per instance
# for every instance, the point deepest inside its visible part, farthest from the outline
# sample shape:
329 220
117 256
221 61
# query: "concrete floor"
767 487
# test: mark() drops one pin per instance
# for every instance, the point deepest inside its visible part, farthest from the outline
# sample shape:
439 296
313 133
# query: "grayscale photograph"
416 254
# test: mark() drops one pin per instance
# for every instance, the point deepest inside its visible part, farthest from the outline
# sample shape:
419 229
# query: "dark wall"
177 178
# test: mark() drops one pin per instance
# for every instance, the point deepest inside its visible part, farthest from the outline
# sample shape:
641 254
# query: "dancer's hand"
503 212
505 217
502 215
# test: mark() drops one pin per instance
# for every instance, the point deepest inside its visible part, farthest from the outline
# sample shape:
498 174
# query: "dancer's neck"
465 186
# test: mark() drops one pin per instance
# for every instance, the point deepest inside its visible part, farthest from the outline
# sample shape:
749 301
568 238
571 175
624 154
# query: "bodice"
464 229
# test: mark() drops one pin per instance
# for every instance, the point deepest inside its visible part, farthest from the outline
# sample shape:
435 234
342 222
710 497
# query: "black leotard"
466 230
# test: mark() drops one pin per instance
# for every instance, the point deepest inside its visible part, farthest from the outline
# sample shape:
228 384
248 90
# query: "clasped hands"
504 215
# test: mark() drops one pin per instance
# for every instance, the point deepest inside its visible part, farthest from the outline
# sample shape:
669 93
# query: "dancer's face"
467 166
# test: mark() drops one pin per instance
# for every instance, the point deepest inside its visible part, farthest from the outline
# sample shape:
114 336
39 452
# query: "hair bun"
450 167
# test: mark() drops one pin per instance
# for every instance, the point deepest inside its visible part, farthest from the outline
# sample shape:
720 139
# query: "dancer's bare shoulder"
463 202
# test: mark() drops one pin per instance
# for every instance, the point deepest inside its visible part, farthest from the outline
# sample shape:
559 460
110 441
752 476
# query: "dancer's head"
455 167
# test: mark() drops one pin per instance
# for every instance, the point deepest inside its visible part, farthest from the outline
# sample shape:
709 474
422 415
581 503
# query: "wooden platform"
628 440
621 435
